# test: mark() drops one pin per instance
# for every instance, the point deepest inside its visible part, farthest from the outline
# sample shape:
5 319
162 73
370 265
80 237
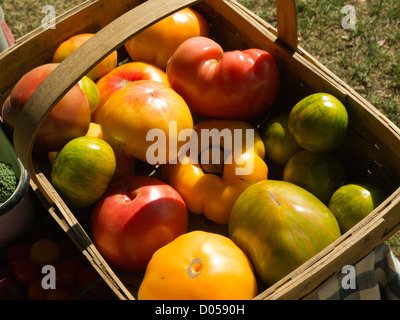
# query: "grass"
367 58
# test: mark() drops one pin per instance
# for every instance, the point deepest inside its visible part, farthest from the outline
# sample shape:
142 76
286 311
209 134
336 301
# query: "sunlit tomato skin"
130 114
73 43
123 75
232 85
199 266
157 43
69 119
82 170
136 216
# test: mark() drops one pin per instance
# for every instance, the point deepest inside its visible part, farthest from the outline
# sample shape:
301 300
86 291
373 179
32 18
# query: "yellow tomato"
157 43
71 44
199 266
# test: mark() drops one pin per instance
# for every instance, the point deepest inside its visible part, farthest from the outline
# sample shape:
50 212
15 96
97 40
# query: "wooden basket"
371 150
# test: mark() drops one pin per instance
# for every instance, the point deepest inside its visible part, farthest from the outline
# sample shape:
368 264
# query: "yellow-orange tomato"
199 265
71 44
157 43
123 75
144 119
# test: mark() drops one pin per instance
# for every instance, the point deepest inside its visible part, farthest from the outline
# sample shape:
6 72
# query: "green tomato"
82 170
319 173
279 143
92 93
353 202
318 122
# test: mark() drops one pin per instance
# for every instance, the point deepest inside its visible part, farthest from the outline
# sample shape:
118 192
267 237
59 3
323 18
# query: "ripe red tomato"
16 252
136 216
70 117
25 271
36 291
58 294
233 84
67 270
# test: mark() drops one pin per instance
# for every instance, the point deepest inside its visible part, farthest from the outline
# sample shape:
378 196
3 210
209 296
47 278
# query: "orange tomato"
123 75
129 116
71 44
157 43
199 266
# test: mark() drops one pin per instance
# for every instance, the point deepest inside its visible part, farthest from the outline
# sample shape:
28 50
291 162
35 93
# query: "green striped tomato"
353 202
92 93
319 173
82 170
318 122
280 226
279 143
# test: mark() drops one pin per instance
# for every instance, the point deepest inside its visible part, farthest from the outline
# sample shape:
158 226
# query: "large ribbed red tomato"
136 216
232 84
280 226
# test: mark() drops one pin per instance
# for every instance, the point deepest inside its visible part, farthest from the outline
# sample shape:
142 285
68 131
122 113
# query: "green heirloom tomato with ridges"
320 173
318 122
280 226
82 170
353 202
279 143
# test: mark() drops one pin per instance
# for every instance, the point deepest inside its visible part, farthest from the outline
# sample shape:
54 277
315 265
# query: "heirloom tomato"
280 145
134 117
280 226
123 75
233 85
82 170
73 43
318 122
91 92
353 202
319 173
69 118
199 266
157 43
136 216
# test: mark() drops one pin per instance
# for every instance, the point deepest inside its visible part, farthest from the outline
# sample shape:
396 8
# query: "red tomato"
35 290
17 252
157 43
11 289
58 294
136 216
67 270
25 271
70 117
234 84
